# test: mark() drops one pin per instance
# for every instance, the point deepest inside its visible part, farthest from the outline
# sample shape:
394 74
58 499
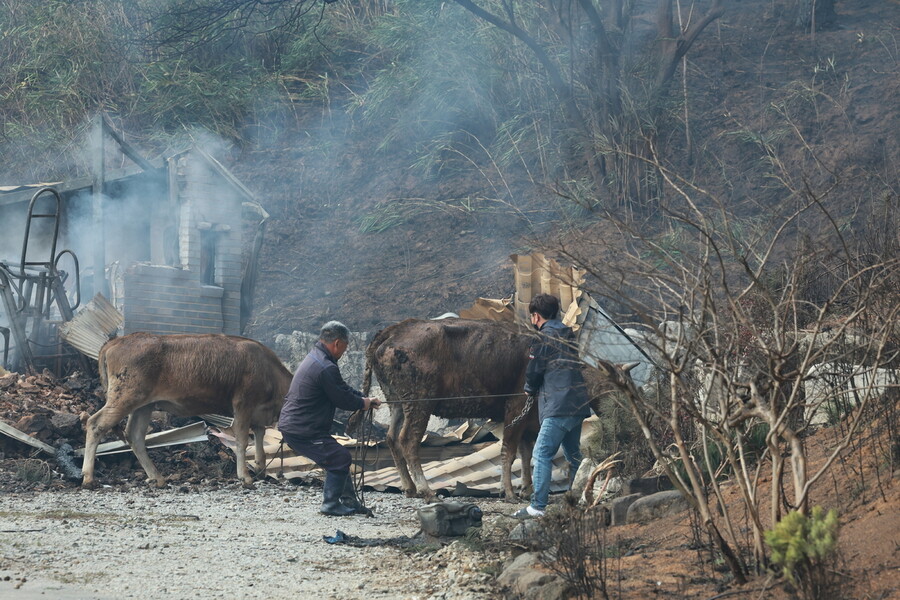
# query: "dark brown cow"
186 375
479 365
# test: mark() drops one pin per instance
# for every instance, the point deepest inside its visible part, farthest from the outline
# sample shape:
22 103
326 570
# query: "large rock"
525 579
526 533
618 508
66 424
293 348
656 506
647 485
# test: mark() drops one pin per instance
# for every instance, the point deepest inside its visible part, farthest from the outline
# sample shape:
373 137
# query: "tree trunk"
815 15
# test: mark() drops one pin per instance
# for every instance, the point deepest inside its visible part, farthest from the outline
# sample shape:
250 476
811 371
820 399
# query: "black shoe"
351 500
334 486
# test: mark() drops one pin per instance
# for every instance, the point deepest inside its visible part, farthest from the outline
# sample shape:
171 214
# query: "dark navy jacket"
316 391
554 373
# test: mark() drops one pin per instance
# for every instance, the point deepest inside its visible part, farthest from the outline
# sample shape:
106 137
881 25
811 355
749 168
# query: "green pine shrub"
805 549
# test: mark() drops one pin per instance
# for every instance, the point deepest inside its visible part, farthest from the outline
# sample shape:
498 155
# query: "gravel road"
223 543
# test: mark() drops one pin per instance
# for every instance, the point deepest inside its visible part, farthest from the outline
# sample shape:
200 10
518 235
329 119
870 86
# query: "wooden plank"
64 187
127 149
25 438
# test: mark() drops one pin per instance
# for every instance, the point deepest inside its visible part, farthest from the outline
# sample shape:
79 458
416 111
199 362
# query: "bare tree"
587 53
750 357
813 15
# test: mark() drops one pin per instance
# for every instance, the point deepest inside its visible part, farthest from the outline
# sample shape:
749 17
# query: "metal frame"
29 290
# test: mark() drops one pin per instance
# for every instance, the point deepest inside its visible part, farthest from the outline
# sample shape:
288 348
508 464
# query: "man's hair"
545 305
334 330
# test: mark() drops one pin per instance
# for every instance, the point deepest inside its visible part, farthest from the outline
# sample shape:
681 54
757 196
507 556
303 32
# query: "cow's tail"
367 375
102 370
104 381
370 361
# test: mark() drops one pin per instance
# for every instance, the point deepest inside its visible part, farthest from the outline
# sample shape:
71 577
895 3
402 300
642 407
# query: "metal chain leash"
529 402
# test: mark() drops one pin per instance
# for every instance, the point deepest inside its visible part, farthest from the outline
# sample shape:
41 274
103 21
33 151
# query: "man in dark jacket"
554 375
316 391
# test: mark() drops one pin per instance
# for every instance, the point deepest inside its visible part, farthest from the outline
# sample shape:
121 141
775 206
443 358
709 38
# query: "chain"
529 402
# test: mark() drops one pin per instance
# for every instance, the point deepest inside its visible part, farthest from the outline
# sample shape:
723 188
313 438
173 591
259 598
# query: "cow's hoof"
511 499
159 483
248 485
89 485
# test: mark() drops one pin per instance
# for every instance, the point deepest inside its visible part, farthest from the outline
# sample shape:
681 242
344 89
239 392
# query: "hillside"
821 108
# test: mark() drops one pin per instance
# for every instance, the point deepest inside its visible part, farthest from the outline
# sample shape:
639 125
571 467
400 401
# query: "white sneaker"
529 512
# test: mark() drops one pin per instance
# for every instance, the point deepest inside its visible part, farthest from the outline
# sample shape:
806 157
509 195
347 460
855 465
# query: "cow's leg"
391 438
259 433
526 449
409 440
136 434
515 438
508 450
95 428
241 429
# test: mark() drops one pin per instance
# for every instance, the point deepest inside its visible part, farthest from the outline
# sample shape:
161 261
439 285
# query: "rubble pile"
46 407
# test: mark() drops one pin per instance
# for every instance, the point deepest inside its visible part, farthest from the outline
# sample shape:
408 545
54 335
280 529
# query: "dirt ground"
47 523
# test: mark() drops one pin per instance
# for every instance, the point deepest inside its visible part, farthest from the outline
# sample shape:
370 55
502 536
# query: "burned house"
162 240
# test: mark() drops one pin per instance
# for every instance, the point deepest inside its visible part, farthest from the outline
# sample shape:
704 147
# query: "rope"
362 447
469 397
261 476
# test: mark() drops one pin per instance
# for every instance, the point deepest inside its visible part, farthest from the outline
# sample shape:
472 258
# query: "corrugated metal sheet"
481 470
601 337
490 309
9 189
537 274
195 432
464 463
92 326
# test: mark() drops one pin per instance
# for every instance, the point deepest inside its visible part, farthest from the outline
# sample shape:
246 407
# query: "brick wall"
210 203
161 299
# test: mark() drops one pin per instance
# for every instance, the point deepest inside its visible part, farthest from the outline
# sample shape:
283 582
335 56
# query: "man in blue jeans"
554 375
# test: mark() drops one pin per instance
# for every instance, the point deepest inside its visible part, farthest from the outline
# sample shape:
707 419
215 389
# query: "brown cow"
186 375
472 369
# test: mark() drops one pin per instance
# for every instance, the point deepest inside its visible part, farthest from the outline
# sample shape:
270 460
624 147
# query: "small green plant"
804 548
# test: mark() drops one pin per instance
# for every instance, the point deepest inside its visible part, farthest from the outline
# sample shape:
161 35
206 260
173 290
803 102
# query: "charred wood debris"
47 408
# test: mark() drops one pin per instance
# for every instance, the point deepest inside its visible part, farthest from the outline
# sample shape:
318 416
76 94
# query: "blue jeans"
555 431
